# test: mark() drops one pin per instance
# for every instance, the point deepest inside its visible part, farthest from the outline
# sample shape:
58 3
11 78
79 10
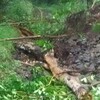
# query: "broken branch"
33 37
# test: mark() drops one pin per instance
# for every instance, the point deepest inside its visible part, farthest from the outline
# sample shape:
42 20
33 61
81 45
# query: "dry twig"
33 37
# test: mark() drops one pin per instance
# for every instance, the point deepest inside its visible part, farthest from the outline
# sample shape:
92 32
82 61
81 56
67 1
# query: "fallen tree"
72 81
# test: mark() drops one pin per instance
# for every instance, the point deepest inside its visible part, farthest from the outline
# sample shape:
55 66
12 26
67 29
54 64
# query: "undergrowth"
42 86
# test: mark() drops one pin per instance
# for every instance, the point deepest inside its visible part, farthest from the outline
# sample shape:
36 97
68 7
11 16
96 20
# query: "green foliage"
96 93
96 27
6 47
18 10
6 31
15 89
45 44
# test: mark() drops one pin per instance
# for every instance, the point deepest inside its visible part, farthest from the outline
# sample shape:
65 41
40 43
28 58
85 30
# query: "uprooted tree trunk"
72 81
50 62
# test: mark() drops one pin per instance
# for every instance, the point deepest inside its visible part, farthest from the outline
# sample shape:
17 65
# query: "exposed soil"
80 53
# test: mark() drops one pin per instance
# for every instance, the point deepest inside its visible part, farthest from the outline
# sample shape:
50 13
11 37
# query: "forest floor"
78 52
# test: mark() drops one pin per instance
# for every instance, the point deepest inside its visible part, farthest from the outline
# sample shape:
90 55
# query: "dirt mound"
79 52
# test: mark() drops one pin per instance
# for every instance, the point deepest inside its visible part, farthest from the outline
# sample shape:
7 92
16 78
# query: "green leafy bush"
19 10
